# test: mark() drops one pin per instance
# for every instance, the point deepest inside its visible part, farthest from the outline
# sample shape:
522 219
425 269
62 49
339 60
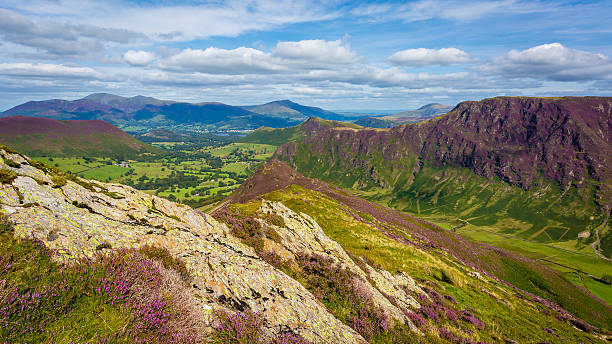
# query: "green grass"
549 255
104 173
236 167
519 320
599 289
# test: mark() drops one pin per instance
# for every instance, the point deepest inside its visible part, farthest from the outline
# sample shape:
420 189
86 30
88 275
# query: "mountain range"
536 168
149 112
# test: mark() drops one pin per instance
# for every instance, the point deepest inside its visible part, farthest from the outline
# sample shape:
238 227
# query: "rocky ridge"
515 138
79 217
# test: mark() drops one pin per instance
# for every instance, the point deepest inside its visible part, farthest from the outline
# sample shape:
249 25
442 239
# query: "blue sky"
340 55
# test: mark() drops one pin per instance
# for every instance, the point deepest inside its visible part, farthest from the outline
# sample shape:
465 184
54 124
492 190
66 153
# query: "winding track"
596 242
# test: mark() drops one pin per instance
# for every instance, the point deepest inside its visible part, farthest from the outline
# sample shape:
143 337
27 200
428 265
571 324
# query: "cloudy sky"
340 55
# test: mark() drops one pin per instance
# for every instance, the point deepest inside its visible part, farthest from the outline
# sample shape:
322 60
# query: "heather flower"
416 319
238 328
290 338
469 317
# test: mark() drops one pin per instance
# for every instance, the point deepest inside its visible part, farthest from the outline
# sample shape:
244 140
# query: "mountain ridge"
148 111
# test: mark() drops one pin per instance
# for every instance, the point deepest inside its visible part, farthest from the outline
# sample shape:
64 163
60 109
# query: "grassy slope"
545 215
519 320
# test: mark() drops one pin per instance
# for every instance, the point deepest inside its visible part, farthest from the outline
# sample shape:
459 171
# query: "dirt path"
596 242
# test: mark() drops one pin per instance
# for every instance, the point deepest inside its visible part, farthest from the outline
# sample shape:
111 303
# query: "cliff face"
564 140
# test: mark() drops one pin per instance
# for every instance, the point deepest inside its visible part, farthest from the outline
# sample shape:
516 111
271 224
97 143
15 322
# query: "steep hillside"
538 168
293 265
43 136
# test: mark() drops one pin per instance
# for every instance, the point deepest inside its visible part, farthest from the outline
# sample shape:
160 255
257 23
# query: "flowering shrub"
343 294
40 299
469 317
162 255
416 318
237 328
290 338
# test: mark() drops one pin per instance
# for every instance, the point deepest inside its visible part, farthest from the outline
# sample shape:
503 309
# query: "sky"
339 55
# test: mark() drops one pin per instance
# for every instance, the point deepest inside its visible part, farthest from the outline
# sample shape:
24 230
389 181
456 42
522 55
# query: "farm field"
190 174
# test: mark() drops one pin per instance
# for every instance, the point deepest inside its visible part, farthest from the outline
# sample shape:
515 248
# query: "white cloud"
551 61
174 21
316 51
45 70
138 58
222 61
286 57
425 57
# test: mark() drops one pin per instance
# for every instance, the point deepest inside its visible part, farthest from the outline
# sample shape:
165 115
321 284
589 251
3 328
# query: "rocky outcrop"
301 235
78 217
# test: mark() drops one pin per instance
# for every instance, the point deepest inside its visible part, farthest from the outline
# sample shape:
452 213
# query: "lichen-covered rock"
227 274
302 235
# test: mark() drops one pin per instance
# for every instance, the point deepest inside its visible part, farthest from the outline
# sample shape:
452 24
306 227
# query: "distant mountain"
83 109
294 111
125 104
150 113
43 136
423 113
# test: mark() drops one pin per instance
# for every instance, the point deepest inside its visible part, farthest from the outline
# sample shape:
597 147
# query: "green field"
196 177
567 257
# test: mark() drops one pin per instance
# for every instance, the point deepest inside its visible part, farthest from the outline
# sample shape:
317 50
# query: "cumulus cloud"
45 70
551 61
285 57
221 61
383 77
138 58
316 51
425 57
59 38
